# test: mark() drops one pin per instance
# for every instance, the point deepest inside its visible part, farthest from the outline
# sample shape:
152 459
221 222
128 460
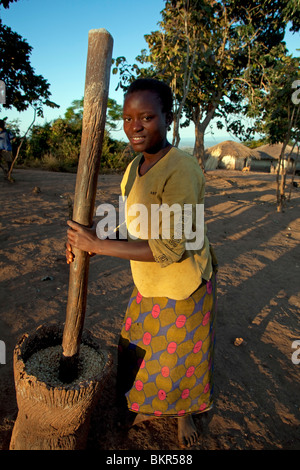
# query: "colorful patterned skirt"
166 353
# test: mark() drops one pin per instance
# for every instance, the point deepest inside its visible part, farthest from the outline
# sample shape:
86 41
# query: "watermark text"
2 92
159 221
296 354
2 352
296 94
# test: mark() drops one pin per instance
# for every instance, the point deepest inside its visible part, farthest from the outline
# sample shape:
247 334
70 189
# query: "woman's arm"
86 239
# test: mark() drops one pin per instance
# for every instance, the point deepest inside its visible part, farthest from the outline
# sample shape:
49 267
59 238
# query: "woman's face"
145 125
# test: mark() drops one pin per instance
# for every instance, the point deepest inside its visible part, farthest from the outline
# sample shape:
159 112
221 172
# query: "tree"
277 115
176 47
24 87
232 43
73 119
172 58
215 55
21 141
56 144
6 3
74 114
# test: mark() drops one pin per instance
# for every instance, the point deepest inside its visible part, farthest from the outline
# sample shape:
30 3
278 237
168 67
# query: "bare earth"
257 385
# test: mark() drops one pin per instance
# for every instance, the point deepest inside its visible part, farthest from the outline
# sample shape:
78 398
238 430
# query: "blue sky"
58 32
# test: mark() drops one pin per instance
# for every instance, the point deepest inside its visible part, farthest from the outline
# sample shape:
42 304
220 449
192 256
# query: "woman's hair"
162 90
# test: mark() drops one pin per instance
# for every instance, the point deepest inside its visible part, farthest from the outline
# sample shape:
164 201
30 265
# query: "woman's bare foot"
187 432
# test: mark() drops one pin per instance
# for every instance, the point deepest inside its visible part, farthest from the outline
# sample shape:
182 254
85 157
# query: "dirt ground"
257 384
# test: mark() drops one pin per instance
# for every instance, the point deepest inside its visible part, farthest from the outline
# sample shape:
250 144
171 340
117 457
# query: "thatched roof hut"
229 155
271 153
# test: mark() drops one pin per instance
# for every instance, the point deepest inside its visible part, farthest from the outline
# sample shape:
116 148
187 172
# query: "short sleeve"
183 189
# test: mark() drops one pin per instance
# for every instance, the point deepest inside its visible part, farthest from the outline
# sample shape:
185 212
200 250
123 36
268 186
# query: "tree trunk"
9 177
281 178
293 173
176 135
280 190
199 145
200 128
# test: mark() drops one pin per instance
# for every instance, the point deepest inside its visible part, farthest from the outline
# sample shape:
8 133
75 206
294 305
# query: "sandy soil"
257 384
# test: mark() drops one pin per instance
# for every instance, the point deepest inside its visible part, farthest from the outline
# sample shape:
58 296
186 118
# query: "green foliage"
277 111
114 114
38 143
112 152
56 145
74 114
6 3
24 87
253 144
216 56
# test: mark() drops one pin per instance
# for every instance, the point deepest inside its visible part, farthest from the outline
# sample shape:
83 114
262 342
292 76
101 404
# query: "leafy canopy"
24 87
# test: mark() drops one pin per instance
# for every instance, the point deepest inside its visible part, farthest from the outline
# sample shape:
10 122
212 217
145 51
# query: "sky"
58 30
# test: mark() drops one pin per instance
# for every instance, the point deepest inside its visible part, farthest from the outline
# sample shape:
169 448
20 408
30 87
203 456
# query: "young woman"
166 346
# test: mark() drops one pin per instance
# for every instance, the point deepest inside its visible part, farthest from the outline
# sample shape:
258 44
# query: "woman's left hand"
81 237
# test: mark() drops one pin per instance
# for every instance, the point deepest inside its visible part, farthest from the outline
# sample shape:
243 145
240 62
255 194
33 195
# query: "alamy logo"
2 353
2 92
296 94
296 354
157 222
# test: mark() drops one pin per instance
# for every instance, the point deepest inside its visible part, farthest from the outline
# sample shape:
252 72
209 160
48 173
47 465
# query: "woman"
166 345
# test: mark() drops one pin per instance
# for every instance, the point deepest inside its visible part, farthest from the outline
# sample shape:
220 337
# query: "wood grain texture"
98 66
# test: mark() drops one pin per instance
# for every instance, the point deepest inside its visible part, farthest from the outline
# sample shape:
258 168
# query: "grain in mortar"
44 365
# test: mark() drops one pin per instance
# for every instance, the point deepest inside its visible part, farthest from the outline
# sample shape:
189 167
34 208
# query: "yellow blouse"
156 207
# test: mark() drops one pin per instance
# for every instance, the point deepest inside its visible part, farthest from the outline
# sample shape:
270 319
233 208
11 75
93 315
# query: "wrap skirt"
166 353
